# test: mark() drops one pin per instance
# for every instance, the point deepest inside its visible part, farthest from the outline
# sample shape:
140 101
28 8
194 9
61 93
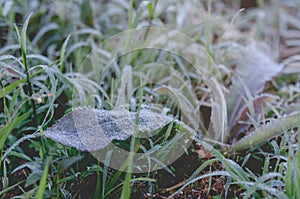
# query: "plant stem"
24 59
22 39
128 33
267 132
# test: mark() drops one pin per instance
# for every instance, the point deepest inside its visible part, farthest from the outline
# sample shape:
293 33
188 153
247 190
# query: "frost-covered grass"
244 78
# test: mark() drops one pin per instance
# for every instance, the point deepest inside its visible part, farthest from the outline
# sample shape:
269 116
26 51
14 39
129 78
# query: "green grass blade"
43 181
141 9
4 132
8 89
24 35
112 182
22 40
63 52
105 171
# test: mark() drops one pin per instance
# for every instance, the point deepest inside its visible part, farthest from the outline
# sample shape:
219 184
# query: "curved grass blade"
267 132
4 132
253 109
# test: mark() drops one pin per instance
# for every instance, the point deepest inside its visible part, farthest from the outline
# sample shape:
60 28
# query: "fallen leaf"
89 129
254 68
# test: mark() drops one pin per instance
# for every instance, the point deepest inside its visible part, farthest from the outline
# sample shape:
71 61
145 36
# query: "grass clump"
214 74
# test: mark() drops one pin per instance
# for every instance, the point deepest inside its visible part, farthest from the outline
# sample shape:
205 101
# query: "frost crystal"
89 129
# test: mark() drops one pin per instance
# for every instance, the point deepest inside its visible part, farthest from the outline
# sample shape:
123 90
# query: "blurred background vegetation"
43 43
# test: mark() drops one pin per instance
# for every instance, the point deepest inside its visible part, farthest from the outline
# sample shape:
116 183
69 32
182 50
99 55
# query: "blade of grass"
292 173
235 171
215 173
22 39
62 53
8 89
126 187
126 191
133 180
9 150
43 181
4 132
288 178
128 33
105 171
266 132
2 192
259 182
112 182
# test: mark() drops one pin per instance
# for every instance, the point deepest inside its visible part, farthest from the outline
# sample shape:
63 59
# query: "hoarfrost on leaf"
89 129
255 68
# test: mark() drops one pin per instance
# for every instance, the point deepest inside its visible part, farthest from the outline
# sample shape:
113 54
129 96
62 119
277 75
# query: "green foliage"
43 181
42 78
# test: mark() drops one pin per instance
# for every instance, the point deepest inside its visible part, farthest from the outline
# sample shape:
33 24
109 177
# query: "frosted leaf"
254 68
93 129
